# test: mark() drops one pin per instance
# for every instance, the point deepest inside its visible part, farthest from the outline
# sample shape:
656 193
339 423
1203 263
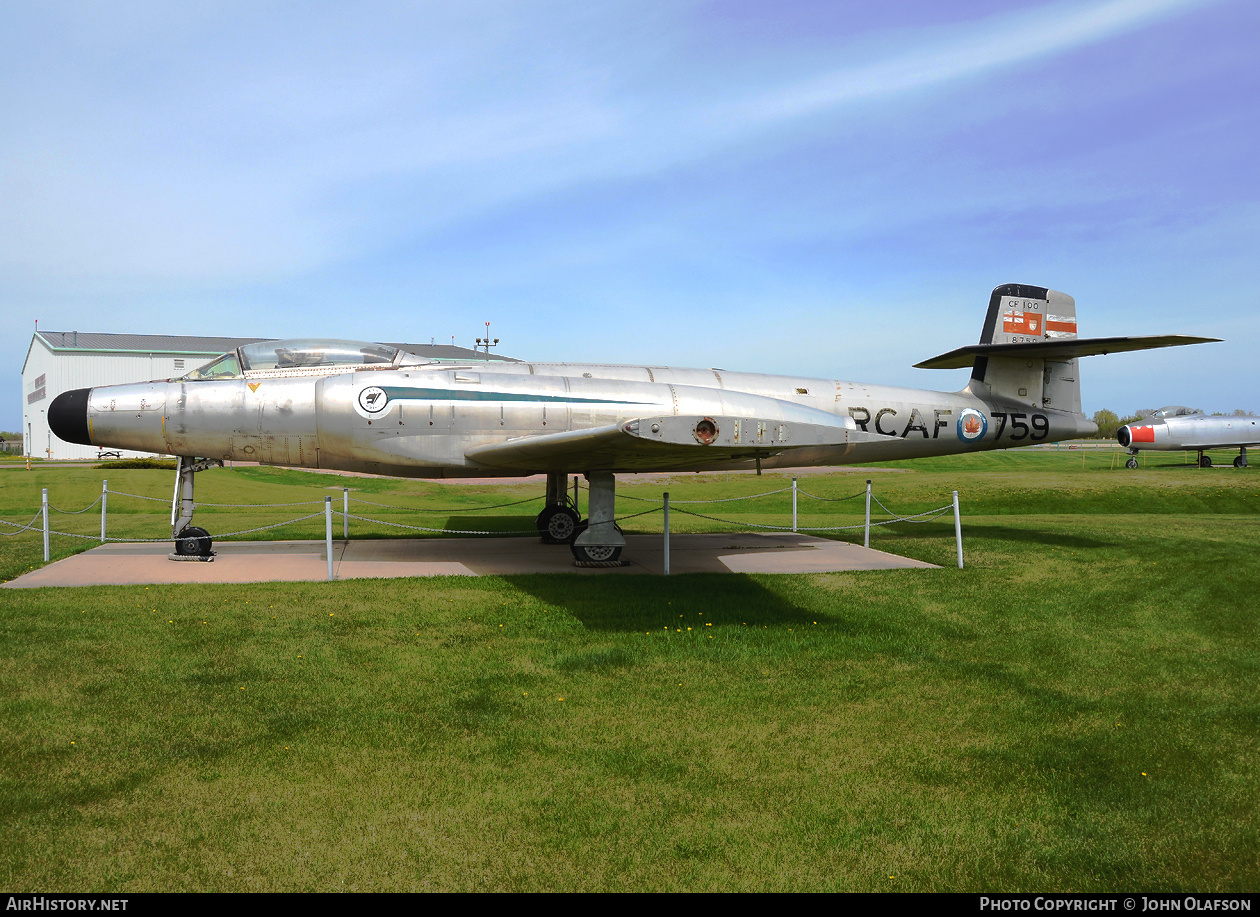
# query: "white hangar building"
60 361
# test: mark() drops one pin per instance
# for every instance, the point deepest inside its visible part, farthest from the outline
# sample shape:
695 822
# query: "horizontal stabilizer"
1058 349
673 441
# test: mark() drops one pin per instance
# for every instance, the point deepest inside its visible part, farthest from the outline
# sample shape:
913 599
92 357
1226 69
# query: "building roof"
141 343
448 352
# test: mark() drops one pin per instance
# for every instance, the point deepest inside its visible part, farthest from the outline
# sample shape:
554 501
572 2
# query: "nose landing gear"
191 542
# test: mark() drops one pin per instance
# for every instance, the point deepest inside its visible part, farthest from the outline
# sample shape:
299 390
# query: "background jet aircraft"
369 407
1175 427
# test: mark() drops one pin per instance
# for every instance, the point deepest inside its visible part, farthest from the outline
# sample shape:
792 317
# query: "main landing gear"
558 522
1240 461
191 542
601 540
596 539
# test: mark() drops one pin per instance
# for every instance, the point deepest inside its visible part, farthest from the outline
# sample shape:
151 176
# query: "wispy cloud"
964 50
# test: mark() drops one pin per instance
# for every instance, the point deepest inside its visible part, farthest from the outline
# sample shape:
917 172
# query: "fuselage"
421 420
1167 430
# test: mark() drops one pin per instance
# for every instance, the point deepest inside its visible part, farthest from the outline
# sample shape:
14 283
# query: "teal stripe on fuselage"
445 394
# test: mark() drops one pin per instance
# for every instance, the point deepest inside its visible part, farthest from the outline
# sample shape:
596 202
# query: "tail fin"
1022 314
1028 349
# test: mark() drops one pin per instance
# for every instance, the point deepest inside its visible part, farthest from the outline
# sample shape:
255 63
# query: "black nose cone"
67 416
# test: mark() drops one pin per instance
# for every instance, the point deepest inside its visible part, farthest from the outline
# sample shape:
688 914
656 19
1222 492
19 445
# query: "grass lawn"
1074 711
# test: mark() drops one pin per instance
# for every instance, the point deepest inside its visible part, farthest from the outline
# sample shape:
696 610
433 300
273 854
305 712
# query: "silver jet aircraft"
1175 428
372 408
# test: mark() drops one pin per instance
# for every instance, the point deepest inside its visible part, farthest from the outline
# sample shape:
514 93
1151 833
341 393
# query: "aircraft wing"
964 357
673 442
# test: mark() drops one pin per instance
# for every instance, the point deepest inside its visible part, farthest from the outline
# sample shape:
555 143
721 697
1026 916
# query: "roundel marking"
972 425
373 399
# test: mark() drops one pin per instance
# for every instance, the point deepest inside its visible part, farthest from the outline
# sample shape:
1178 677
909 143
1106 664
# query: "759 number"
1019 425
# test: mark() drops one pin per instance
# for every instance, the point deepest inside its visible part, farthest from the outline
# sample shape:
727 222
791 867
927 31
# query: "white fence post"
866 543
104 501
958 530
328 533
793 504
667 533
44 510
345 513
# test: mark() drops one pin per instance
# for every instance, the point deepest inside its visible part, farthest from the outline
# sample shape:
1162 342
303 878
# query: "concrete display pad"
269 561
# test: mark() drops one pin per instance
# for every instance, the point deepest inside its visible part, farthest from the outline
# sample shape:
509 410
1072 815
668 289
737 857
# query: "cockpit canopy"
309 354
1174 410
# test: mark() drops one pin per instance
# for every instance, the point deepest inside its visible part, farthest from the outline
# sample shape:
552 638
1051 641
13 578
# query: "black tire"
193 542
1205 461
596 553
1240 462
1131 463
557 525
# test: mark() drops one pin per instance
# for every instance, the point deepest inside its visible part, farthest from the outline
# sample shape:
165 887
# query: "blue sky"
823 188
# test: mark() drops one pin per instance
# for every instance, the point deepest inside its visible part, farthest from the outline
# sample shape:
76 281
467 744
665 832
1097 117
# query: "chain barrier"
933 513
119 493
456 509
22 528
768 493
217 536
915 517
925 516
74 512
97 538
268 505
860 493
646 512
421 528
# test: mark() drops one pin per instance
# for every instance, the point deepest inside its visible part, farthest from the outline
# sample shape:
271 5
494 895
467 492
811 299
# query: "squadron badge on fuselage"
373 399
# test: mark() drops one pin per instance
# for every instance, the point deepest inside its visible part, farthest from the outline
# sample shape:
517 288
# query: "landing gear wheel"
1131 463
597 553
557 525
1240 462
193 542
1205 461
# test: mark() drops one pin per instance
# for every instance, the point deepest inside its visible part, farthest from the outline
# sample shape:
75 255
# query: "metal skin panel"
129 416
272 421
1192 433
